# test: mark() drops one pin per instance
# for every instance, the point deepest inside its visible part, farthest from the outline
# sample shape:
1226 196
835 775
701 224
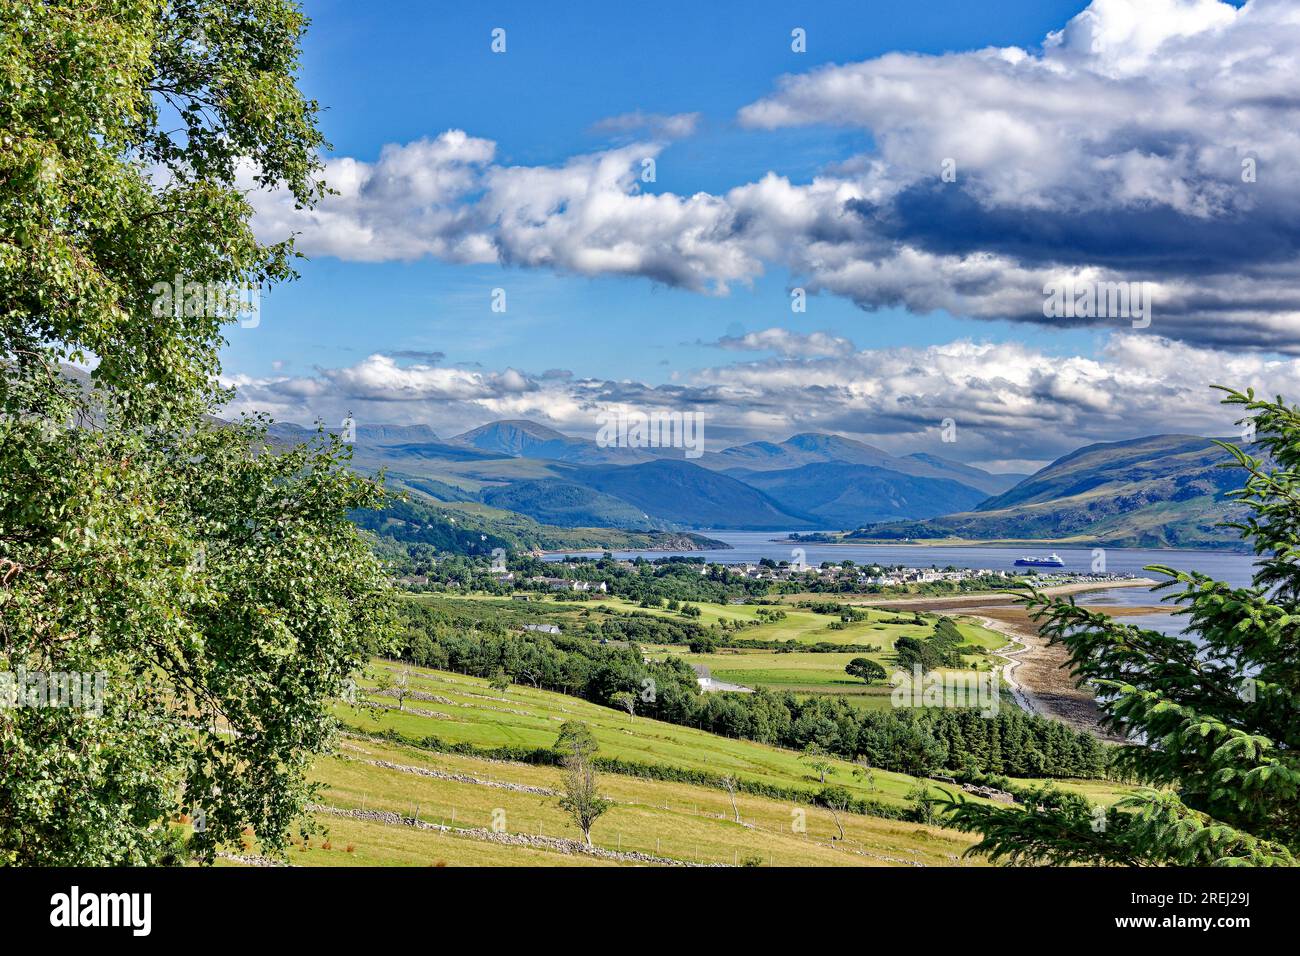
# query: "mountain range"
1158 491
809 481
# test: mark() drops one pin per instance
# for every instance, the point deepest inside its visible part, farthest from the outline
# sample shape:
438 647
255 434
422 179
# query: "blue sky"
1093 143
395 72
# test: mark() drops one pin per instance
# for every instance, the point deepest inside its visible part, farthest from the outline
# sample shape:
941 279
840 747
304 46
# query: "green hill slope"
470 528
415 786
688 494
845 496
1160 491
569 505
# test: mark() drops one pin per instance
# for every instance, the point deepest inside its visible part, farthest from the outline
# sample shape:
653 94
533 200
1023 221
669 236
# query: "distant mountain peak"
509 427
819 441
521 438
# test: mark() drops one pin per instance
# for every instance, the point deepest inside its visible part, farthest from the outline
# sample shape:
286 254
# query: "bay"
749 547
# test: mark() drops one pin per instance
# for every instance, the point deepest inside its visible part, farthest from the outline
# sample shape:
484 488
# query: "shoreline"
1001 543
1036 671
1019 693
984 597
1040 680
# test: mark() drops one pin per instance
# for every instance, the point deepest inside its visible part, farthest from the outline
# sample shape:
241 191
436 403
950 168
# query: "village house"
564 584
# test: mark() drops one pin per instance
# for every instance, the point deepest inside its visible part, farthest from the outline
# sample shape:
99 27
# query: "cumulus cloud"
1146 141
414 201
590 217
1119 152
1011 403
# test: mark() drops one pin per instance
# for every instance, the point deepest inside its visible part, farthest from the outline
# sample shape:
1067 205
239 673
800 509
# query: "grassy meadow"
476 811
471 809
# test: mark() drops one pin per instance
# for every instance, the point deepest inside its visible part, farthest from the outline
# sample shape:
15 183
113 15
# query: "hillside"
525 439
844 496
429 792
460 774
686 493
569 505
810 480
747 461
991 482
1160 491
468 528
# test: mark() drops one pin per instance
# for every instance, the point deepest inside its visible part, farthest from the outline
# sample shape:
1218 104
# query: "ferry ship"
1053 560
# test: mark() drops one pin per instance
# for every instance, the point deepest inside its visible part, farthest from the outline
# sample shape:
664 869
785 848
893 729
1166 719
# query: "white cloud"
1113 153
1011 402
408 204
659 125
590 217
787 343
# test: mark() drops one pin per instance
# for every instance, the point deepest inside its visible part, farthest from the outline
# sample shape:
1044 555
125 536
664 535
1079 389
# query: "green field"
800 672
524 717
796 671
390 801
800 625
667 820
459 800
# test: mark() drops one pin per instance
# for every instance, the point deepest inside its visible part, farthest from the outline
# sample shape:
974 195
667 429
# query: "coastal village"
866 576
845 576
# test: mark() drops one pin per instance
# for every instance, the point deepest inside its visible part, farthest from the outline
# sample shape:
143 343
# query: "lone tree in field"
837 800
730 783
925 805
500 681
865 669
817 759
624 700
402 687
580 798
575 735
211 579
1212 717
863 770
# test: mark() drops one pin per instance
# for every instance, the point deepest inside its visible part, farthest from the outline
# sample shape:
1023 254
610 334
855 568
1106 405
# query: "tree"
500 680
1211 717
579 795
865 669
209 582
912 652
862 769
624 700
575 735
925 805
816 758
730 783
837 800
402 687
